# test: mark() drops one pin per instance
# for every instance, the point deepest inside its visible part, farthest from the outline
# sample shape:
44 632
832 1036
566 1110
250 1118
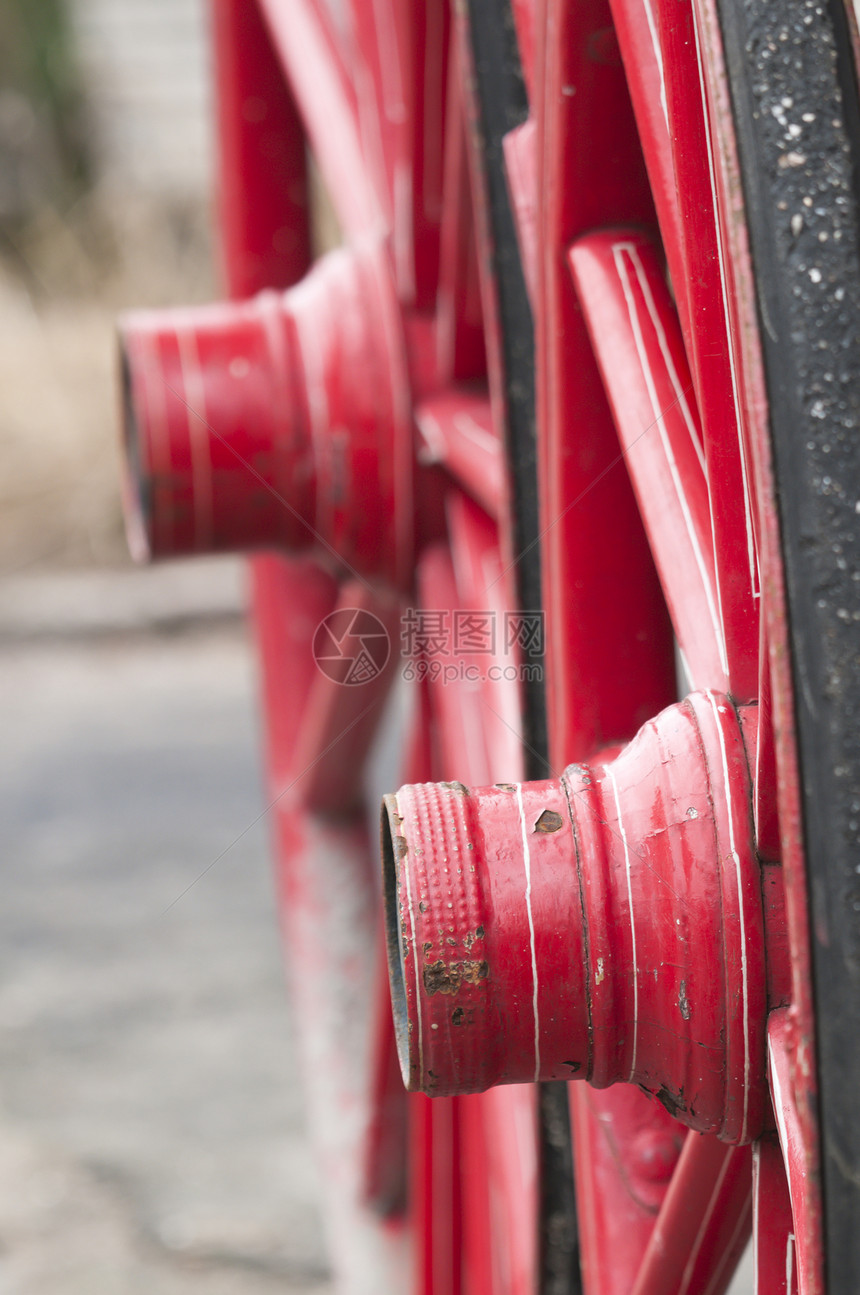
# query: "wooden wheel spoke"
328 108
635 334
637 28
399 70
459 318
661 48
458 432
458 710
704 1221
798 1153
497 1142
706 284
775 1256
477 562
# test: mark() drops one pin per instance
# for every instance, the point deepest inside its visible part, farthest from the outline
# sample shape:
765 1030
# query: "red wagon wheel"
567 431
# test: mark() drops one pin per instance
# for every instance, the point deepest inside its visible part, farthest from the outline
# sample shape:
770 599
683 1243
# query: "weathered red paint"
374 112
605 926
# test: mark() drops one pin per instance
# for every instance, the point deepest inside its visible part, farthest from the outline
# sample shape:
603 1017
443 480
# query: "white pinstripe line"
779 1111
756 1177
617 250
716 1276
621 828
703 1226
658 55
789 1262
677 385
742 922
528 869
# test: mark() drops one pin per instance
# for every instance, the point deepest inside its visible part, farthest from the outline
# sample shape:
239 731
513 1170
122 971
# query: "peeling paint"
683 1001
549 821
448 977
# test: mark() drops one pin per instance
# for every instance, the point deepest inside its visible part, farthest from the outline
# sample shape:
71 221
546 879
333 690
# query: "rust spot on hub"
549 821
447 977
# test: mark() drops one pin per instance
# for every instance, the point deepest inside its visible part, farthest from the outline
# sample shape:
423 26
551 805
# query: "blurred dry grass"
63 278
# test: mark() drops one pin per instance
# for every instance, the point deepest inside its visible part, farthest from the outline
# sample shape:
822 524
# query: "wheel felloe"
605 926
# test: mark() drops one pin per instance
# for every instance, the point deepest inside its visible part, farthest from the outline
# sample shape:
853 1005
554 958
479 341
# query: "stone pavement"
151 1134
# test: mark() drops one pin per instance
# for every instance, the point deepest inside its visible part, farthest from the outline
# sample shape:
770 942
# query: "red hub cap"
263 422
605 926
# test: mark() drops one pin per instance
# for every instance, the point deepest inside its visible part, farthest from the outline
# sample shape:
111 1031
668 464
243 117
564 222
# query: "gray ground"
151 1134
151 1138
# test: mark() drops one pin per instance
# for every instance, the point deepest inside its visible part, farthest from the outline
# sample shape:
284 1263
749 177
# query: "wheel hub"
606 925
282 421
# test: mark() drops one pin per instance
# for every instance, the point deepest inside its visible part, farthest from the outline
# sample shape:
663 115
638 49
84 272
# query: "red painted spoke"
637 341
608 656
626 1148
478 568
797 1146
710 346
479 717
399 73
458 709
339 721
459 319
636 24
262 210
703 1224
328 108
775 1257
436 1196
498 1146
660 45
457 431
329 916
278 588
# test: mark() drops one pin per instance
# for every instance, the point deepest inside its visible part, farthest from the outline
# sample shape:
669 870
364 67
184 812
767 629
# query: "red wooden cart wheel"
567 435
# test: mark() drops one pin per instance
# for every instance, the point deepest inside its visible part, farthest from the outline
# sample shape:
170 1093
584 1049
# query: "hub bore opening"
393 935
